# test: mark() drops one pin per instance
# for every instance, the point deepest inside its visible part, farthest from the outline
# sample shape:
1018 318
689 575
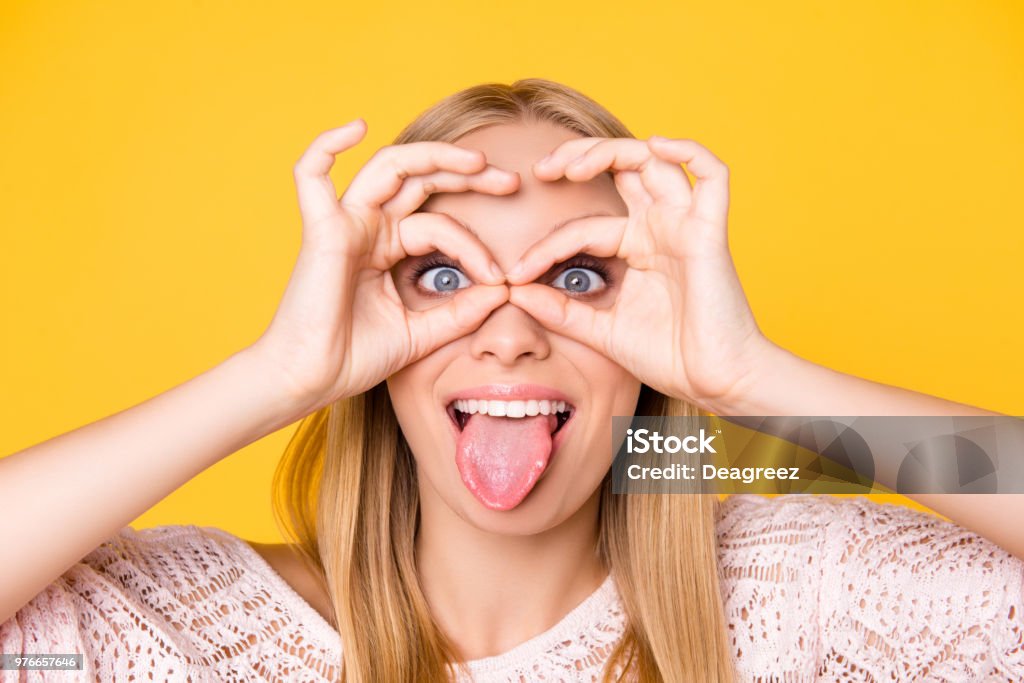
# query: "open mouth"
505 438
460 410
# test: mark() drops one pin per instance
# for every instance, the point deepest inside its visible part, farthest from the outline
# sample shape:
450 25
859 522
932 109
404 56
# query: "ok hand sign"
680 323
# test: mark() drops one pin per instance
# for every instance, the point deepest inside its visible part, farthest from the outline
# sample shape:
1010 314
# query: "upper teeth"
509 408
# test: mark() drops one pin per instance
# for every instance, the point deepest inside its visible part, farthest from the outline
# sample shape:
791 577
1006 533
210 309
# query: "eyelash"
590 263
427 264
578 261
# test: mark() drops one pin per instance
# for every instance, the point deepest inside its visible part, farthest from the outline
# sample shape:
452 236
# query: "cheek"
612 388
411 395
414 397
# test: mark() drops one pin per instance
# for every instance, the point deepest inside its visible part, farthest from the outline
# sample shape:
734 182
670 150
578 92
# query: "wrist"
281 402
762 390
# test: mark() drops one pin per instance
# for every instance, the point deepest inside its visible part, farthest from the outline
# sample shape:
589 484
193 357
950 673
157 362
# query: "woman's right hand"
341 327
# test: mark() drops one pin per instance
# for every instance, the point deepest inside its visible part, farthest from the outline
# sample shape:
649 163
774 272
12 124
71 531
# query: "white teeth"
510 408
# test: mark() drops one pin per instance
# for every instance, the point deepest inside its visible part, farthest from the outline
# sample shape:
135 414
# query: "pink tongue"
501 458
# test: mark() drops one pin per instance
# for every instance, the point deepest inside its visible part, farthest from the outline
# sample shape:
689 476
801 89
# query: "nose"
509 334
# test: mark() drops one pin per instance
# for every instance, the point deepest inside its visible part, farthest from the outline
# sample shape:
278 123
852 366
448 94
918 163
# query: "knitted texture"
815 588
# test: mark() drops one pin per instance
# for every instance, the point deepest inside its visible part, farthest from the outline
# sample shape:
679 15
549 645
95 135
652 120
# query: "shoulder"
172 598
753 528
287 561
175 555
802 517
773 546
190 573
205 563
860 578
857 533
892 569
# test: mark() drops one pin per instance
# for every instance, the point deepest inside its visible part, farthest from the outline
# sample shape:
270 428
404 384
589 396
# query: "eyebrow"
556 226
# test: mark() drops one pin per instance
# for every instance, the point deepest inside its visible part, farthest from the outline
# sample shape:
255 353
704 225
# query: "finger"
435 327
595 235
564 315
382 176
632 190
549 168
426 232
416 189
317 194
711 188
665 181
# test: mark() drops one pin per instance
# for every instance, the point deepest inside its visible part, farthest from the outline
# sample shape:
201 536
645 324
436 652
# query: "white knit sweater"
815 589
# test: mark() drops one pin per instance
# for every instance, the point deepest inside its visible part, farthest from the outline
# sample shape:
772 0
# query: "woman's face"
501 470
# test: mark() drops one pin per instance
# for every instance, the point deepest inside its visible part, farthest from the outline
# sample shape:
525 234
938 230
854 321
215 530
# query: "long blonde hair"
345 493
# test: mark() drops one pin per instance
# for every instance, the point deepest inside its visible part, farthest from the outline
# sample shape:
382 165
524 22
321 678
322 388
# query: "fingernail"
516 271
497 273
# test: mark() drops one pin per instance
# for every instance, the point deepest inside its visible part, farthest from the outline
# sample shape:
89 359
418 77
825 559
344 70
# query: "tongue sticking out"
501 458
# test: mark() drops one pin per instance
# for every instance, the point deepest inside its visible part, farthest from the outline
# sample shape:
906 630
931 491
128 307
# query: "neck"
489 592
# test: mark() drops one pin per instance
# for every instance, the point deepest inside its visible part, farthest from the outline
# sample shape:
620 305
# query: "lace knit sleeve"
907 595
47 624
174 603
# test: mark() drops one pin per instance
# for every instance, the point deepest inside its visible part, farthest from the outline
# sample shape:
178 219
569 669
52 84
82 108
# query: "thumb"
465 312
564 315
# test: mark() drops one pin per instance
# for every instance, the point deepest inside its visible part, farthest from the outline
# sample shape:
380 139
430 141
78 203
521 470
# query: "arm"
700 341
64 497
782 383
336 333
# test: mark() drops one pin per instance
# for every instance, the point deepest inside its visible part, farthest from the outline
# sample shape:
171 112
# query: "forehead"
508 224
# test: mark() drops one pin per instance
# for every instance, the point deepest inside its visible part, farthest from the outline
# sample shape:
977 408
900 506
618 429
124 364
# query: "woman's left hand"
680 321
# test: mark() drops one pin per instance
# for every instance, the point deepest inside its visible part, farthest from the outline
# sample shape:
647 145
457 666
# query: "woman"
458 330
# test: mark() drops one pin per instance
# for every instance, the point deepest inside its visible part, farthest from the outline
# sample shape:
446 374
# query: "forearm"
787 385
63 497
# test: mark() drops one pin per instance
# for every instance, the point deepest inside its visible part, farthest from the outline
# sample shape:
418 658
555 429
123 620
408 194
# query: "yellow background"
149 222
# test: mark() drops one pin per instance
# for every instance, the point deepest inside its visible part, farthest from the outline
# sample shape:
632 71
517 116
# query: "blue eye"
580 281
443 279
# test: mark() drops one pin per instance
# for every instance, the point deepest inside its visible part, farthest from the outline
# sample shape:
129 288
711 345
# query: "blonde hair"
346 494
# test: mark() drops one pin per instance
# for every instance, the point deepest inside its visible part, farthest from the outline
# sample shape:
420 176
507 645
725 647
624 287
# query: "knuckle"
318 141
383 154
399 169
